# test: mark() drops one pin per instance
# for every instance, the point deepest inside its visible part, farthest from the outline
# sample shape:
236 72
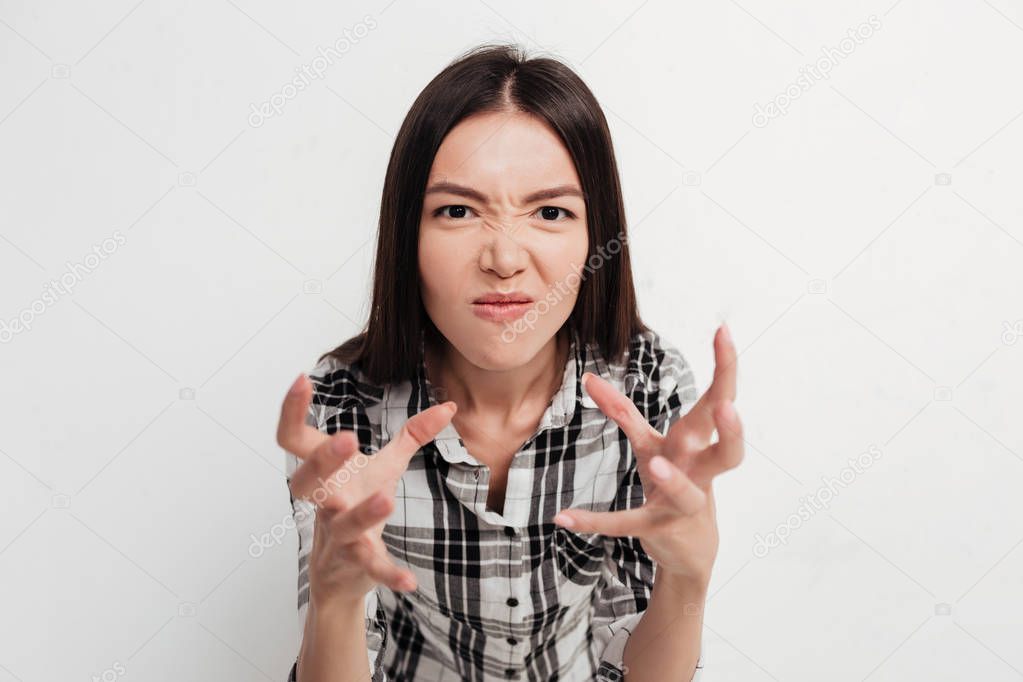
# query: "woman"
486 478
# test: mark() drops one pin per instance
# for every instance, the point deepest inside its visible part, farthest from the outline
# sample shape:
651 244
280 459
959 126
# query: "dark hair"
489 78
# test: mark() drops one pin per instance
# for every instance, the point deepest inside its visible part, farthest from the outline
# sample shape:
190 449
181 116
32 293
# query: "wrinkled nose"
502 254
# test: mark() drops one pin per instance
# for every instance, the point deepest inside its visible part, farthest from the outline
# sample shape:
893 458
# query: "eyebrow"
470 193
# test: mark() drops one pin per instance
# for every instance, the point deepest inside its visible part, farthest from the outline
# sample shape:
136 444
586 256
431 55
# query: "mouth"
502 307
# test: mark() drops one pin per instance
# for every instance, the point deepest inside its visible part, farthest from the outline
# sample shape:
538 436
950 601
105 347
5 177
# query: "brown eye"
550 213
457 211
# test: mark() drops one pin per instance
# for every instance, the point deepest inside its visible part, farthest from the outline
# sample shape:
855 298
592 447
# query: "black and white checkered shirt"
509 595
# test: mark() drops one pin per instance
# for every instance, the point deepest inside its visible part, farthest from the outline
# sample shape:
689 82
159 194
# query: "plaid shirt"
509 595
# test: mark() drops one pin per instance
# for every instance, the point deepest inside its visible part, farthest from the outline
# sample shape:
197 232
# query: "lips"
511 298
502 307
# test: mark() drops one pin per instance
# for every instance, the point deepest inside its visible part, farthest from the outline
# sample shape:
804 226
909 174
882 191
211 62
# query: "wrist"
681 587
336 605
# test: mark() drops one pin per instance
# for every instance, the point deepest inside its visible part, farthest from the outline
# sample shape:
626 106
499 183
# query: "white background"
865 248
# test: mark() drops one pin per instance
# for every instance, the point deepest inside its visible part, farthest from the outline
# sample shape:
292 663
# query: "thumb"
419 430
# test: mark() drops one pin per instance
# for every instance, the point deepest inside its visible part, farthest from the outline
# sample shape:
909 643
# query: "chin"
490 350
496 354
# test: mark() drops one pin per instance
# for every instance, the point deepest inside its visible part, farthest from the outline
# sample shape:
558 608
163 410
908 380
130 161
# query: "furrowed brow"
554 193
456 189
470 193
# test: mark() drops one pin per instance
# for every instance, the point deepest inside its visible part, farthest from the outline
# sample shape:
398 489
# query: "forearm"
334 637
666 643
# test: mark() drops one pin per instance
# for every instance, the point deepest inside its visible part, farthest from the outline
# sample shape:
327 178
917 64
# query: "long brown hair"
489 78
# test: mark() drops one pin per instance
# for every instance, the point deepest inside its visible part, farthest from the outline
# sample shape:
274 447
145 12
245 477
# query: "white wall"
865 247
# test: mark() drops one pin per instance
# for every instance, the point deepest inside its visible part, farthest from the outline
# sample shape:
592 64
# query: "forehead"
513 151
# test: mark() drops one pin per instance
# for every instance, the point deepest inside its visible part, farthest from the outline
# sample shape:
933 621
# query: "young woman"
559 524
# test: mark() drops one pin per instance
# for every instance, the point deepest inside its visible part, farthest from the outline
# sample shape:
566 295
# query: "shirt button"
509 531
509 672
512 601
513 641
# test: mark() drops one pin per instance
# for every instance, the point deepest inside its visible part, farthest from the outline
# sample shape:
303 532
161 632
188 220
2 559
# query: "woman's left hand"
676 525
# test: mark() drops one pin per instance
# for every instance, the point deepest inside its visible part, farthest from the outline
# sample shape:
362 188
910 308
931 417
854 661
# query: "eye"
458 211
550 213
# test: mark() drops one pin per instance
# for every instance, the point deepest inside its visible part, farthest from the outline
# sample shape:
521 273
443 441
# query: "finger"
727 453
699 421
645 438
347 526
293 434
675 488
379 565
624 523
313 479
419 430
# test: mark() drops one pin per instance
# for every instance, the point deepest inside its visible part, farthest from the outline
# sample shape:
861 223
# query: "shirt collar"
559 412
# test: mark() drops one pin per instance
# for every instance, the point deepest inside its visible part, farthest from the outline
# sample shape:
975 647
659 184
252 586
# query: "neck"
499 394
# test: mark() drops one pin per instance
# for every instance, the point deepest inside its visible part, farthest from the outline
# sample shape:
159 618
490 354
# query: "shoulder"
342 385
659 377
651 355
343 399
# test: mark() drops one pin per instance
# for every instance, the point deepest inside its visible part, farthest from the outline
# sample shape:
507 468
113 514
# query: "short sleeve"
627 578
676 387
330 412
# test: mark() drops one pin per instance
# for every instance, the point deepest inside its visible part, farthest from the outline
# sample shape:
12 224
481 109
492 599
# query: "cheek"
563 257
440 262
428 268
429 250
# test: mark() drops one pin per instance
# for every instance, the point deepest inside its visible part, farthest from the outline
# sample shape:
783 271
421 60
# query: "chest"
495 449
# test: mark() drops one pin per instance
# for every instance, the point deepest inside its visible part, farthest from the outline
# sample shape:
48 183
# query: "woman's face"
503 213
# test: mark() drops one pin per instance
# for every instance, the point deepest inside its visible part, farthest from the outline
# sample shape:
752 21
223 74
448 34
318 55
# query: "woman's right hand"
353 495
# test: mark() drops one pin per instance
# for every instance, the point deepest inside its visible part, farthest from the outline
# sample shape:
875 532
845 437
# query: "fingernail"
564 520
295 384
660 468
725 333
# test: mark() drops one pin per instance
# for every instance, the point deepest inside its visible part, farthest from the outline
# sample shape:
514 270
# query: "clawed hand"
676 525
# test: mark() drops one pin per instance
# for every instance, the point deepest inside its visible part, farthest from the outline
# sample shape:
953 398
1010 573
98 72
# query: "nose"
502 254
